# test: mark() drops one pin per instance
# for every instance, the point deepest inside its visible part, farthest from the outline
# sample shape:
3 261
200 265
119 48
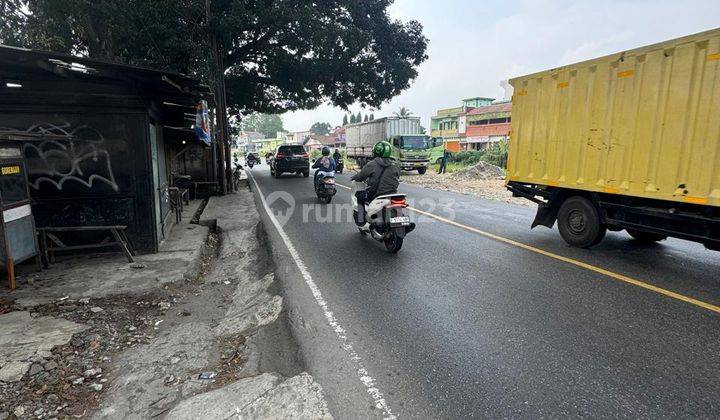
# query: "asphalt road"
459 324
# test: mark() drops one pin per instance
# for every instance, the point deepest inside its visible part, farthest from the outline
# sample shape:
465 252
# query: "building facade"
488 125
476 125
103 143
450 124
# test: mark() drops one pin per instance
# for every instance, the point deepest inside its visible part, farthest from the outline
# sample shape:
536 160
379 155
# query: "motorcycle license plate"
404 220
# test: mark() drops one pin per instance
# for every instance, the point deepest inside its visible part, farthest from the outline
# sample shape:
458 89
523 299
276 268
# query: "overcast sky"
474 44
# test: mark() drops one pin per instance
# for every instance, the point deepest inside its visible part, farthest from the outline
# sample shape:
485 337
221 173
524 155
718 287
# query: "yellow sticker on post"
10 170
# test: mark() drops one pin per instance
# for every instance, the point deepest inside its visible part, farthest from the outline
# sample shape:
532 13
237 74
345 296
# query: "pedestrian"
443 162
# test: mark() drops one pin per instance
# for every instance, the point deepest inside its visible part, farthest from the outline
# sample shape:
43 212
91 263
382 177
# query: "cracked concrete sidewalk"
102 275
229 321
160 379
77 278
25 340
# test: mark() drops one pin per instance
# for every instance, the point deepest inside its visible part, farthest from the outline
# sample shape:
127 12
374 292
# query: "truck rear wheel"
645 238
579 222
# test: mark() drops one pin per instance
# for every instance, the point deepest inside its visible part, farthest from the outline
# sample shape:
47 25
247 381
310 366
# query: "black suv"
290 158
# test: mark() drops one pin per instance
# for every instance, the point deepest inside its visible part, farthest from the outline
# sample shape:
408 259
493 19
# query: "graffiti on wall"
65 154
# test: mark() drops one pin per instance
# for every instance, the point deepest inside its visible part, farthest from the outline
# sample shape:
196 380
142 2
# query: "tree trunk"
225 127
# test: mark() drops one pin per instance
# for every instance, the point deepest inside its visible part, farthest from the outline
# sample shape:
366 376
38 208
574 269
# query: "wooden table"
48 238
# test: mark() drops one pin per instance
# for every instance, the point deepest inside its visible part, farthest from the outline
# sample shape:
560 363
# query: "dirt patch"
72 381
231 361
480 171
493 189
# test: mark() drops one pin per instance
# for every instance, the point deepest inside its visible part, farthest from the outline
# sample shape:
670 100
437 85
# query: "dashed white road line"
355 358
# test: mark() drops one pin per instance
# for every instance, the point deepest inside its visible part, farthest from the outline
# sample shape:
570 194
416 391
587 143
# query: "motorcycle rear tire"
393 244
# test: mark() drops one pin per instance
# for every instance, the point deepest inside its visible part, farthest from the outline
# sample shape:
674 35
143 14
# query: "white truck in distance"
410 148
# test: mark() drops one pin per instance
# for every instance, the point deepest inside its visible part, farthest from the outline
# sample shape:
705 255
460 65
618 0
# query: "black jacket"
371 172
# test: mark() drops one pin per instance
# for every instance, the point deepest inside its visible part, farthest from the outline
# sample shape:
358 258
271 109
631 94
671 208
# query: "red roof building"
487 125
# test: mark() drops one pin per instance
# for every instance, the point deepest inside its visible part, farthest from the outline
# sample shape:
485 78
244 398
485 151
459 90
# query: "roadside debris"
207 375
53 357
492 189
117 363
481 170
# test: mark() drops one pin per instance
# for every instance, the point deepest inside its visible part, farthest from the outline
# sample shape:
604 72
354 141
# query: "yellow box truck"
627 141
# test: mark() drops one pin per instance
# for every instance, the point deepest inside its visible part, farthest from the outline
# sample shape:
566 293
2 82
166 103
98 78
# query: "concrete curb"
322 353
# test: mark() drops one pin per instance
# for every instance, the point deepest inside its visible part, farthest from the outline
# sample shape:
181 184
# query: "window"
414 142
291 150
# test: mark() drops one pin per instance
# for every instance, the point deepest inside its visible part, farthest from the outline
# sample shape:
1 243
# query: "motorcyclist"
337 156
324 164
381 175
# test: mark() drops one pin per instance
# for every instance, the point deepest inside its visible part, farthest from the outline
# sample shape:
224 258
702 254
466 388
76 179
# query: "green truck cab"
411 152
436 150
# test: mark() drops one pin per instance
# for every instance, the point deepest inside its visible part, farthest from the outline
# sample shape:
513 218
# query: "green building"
450 124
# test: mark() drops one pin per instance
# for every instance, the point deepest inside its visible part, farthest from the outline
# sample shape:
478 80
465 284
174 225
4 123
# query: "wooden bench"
50 243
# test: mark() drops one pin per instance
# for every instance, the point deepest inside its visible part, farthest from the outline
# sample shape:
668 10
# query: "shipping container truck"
628 141
411 148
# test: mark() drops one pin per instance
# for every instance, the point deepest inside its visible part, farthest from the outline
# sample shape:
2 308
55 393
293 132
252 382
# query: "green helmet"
382 149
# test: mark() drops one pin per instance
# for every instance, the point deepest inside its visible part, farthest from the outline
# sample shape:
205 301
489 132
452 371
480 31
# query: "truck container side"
403 133
634 129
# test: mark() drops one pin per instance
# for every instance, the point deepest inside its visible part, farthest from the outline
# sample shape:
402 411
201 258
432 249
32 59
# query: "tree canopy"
268 125
403 112
322 129
278 55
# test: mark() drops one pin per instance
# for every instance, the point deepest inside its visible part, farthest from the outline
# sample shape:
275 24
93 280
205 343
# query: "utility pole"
221 105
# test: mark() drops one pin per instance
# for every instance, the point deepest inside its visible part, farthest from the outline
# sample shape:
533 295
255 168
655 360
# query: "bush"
497 154
315 154
468 157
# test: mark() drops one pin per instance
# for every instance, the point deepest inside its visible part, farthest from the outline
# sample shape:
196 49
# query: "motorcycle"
386 216
250 163
339 166
325 188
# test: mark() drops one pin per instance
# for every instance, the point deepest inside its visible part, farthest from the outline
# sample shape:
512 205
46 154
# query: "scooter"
325 189
386 216
339 166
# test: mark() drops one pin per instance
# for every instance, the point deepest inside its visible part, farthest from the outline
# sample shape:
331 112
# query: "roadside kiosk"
18 241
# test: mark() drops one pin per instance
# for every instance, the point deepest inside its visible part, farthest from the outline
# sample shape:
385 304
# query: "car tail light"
279 156
305 155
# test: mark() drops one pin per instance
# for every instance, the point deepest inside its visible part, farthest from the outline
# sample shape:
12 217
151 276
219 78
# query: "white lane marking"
355 358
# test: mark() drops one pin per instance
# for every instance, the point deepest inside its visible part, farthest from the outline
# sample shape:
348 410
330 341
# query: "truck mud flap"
547 212
545 216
